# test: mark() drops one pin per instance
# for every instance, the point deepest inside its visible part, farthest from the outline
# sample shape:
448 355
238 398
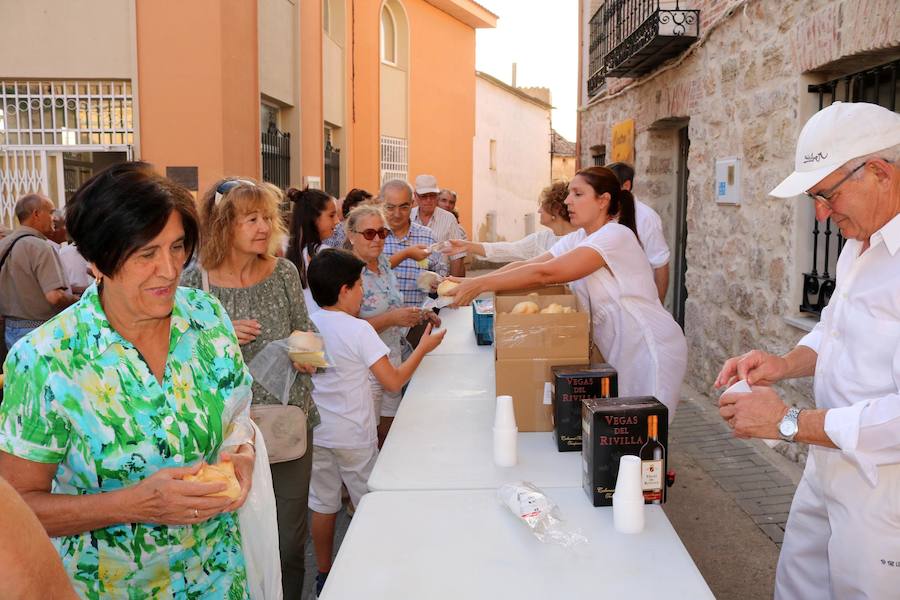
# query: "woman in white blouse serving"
609 272
554 216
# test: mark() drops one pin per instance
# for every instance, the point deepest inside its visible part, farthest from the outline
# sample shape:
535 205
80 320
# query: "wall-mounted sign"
623 142
728 180
185 176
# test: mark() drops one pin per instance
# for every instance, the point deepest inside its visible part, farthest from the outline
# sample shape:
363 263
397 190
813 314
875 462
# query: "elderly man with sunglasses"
843 532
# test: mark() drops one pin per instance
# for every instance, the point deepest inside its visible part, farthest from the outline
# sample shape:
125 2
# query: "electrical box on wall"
728 180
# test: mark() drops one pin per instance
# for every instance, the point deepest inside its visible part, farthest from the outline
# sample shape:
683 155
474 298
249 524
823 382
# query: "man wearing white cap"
843 532
442 223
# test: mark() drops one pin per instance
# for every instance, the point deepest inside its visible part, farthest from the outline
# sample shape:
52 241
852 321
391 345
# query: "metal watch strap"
792 414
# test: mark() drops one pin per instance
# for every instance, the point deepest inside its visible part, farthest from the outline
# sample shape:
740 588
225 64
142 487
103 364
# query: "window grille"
394 161
878 86
66 113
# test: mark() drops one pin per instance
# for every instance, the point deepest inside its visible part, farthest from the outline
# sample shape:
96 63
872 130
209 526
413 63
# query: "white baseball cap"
835 135
427 184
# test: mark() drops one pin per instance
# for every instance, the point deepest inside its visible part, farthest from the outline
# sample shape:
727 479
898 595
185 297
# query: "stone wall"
742 92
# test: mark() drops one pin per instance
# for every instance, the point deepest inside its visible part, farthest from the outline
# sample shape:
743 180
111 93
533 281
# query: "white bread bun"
445 287
222 472
553 309
525 308
305 341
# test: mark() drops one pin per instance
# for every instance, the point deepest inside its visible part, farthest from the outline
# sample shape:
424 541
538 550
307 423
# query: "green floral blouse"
277 303
79 395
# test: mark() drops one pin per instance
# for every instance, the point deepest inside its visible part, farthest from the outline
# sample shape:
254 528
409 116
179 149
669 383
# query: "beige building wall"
333 82
511 160
562 168
394 101
278 38
53 39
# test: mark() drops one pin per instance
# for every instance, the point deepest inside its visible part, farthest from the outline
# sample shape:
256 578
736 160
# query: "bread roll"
222 472
445 287
525 308
305 341
553 309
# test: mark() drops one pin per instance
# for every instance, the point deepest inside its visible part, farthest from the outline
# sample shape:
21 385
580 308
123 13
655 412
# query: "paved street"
729 503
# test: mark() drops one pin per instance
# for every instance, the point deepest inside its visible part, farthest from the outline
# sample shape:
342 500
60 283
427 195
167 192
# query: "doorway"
679 262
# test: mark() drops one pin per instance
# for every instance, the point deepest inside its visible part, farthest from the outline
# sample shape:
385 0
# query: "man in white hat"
442 223
843 532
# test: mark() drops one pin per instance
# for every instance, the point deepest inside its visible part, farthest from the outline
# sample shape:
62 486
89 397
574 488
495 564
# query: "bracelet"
251 444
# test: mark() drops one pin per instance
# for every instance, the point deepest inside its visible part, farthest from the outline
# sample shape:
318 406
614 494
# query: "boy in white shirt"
345 443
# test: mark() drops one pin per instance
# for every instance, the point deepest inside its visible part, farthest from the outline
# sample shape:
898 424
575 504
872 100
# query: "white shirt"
649 228
74 267
528 247
629 325
343 393
311 304
443 226
858 345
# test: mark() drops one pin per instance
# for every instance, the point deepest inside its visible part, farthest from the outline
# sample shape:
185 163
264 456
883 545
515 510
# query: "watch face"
787 428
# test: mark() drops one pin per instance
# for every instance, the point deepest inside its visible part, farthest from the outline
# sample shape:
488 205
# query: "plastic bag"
272 369
427 281
439 302
539 512
257 518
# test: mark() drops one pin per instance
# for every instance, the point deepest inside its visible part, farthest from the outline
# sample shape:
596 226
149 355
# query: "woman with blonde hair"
382 304
241 228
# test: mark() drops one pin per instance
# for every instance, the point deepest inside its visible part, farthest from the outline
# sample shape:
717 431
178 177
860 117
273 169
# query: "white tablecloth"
460 337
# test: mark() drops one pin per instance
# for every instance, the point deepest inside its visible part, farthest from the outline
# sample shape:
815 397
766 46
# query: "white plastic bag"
257 518
539 512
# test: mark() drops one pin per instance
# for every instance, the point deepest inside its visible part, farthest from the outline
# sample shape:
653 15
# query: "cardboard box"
613 427
529 382
551 290
541 335
571 385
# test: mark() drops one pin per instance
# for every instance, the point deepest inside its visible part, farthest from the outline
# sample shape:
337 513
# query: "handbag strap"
11 246
204 280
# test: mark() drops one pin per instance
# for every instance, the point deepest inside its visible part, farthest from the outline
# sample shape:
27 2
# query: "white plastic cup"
628 499
505 414
628 514
505 447
628 481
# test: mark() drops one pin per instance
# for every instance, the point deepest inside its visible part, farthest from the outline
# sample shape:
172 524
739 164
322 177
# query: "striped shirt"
444 226
408 270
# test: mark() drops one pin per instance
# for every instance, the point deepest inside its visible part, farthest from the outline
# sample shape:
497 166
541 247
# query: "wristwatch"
788 427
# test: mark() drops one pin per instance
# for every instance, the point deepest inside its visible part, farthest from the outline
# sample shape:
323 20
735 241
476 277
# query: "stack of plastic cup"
628 499
505 432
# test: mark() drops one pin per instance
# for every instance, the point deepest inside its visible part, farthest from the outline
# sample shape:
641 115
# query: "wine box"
613 427
571 385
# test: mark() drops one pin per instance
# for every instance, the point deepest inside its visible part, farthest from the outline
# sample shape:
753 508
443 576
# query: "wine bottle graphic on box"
653 460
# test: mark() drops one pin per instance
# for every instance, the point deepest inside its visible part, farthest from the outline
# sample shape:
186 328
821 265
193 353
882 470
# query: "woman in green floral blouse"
241 229
113 401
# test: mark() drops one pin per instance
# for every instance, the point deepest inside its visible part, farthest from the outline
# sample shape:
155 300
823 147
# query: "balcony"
630 38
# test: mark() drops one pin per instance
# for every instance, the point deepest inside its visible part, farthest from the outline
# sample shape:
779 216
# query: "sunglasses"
370 234
227 186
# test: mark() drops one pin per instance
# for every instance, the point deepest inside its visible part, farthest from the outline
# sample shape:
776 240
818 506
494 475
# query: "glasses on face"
397 207
826 196
370 234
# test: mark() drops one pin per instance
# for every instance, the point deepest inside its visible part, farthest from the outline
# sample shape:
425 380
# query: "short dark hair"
354 198
329 271
624 172
120 209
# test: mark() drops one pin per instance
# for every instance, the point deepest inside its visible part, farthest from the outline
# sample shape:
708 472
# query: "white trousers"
842 539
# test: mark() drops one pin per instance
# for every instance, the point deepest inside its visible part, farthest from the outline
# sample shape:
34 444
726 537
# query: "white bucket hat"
427 184
835 135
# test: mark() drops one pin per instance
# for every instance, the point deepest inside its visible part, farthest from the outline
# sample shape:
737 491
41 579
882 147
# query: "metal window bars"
275 148
66 113
394 158
877 85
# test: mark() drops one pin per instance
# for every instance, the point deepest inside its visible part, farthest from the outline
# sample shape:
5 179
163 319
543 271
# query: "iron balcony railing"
878 86
629 38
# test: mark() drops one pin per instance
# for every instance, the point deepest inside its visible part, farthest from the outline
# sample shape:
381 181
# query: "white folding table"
465 544
441 438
